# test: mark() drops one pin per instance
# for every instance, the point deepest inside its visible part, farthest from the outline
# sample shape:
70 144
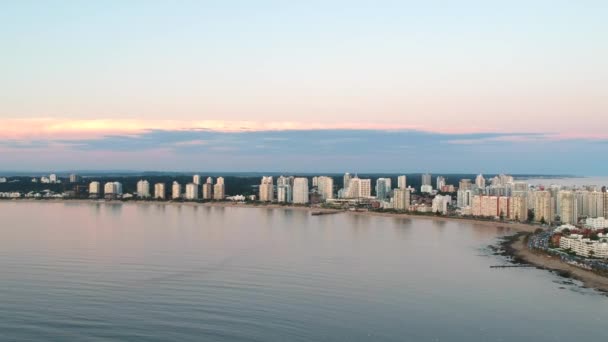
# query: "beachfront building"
518 209
266 189
596 223
401 199
543 207
159 191
284 193
219 190
359 188
207 190
191 191
196 179
383 188
325 187
490 206
94 189
176 190
300 190
568 207
143 189
586 247
112 190
346 181
440 204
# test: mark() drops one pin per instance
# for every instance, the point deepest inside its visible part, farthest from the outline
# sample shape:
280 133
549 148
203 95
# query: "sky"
327 86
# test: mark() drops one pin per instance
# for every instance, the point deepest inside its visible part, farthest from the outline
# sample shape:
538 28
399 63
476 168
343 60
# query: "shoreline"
517 248
516 226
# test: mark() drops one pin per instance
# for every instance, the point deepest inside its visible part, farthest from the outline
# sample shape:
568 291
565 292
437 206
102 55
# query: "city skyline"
474 85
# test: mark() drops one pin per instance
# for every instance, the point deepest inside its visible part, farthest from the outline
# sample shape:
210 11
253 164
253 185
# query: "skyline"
318 87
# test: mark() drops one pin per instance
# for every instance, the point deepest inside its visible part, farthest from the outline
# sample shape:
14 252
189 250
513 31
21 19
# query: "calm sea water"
128 272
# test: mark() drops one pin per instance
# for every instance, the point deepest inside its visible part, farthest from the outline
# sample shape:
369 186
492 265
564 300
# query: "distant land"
133 173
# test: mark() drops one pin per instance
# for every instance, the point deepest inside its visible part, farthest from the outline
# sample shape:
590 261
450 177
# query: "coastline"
515 226
518 249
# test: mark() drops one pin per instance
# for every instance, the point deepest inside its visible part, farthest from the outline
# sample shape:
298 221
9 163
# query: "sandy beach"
553 263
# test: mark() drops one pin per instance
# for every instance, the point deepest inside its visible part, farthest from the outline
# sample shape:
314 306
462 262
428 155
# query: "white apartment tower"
480 181
159 191
196 179
300 190
94 189
543 207
568 207
325 186
402 182
219 190
401 199
176 190
267 189
143 189
191 191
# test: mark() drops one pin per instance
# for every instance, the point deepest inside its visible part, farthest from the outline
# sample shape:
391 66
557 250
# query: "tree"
542 220
591 254
530 215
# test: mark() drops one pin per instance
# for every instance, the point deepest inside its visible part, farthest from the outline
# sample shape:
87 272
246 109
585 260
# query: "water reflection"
255 275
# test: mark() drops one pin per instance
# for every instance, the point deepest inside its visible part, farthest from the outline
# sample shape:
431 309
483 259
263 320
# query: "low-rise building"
596 223
586 247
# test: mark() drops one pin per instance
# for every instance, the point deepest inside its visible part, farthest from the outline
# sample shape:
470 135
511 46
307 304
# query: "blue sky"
76 76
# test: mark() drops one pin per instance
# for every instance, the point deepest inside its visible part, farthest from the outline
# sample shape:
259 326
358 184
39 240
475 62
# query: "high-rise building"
440 182
568 207
464 198
401 199
159 191
359 188
176 190
112 190
108 188
427 179
53 178
402 182
219 190
490 206
94 189
315 181
191 191
605 202
382 188
300 190
267 189
207 190
143 189
543 207
284 193
518 210
196 179
346 181
74 178
325 186
440 204
465 184
480 181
